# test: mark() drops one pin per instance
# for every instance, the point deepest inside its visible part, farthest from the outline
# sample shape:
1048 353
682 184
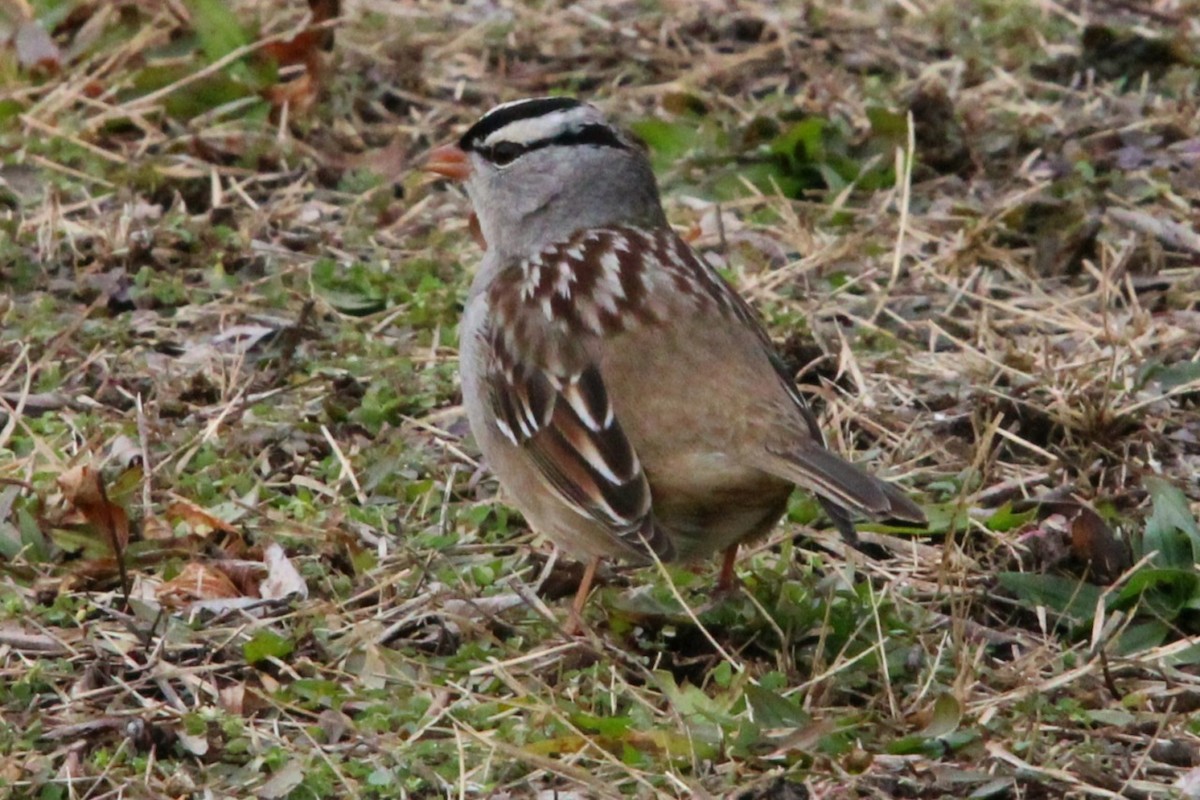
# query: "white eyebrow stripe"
540 128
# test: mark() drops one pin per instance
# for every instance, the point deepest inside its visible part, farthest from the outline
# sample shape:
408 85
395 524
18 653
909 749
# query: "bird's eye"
505 152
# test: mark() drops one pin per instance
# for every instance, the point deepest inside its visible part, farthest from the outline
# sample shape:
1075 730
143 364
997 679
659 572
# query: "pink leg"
727 577
585 587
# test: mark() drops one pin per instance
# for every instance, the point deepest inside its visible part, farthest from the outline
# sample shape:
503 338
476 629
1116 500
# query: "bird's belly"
707 502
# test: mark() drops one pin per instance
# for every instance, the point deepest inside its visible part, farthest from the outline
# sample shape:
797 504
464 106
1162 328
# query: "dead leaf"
197 518
124 451
282 782
481 609
1095 543
299 91
72 768
246 575
334 724
1044 544
197 744
324 11
1189 784
232 698
82 488
196 582
145 588
36 51
156 528
1068 526
283 579
373 668
56 731
95 676
298 94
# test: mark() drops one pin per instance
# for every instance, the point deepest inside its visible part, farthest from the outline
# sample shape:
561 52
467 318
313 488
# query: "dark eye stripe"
502 153
495 120
595 135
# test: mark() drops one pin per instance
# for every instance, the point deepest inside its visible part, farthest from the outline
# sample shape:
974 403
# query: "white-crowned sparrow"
627 398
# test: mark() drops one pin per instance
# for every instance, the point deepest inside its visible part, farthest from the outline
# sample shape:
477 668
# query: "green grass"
281 368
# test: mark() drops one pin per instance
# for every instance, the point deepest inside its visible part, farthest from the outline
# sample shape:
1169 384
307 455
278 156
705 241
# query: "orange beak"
449 161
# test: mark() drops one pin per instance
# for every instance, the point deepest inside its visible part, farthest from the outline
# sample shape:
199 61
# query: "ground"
246 543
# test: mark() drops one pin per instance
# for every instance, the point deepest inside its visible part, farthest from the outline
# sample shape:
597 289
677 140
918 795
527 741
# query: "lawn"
247 545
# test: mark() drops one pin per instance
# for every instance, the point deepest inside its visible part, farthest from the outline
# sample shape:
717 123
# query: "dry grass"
241 312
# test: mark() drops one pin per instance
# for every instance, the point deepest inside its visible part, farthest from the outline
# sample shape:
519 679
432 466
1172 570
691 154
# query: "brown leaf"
240 699
283 780
197 518
197 581
298 94
303 50
300 49
1095 543
232 698
59 731
155 528
245 575
1045 542
323 11
82 489
1069 526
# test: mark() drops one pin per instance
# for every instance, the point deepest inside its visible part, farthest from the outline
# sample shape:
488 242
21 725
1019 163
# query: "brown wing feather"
572 436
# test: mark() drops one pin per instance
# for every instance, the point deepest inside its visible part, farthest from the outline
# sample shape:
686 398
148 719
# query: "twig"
1171 233
904 168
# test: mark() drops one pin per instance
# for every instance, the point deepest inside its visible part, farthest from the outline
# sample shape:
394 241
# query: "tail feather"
843 485
842 521
901 507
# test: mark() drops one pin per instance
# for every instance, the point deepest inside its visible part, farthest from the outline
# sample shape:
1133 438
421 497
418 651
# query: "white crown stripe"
538 129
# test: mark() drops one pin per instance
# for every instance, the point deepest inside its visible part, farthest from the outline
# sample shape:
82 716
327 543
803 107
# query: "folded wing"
567 426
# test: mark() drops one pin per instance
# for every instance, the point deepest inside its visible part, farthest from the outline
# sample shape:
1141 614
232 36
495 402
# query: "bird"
628 399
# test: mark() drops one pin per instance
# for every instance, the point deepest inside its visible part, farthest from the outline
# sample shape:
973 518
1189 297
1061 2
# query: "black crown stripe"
495 120
593 134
